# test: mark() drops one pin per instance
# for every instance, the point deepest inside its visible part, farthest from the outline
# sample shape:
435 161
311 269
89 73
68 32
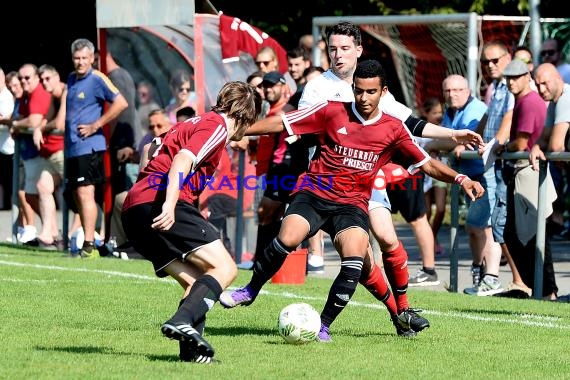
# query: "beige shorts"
34 167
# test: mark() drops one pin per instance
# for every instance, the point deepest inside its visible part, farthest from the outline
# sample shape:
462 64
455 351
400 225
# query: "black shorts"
280 182
189 232
84 170
409 200
331 217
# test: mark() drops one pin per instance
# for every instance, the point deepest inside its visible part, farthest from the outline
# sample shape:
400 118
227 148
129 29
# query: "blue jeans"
499 216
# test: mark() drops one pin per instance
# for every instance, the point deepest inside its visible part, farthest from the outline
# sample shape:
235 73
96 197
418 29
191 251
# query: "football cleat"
241 296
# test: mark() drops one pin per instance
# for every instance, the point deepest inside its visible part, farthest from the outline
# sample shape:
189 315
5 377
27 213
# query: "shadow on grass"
235 331
82 350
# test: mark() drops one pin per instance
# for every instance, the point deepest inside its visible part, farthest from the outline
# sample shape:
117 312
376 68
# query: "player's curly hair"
239 101
370 68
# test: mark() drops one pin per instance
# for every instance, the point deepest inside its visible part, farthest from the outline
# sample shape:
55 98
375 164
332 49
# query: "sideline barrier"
541 218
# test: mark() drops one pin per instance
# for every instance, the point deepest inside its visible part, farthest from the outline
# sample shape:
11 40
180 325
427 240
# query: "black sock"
198 325
88 246
265 234
342 288
268 263
203 295
429 270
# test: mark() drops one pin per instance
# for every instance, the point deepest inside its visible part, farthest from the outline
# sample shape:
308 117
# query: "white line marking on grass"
85 270
514 318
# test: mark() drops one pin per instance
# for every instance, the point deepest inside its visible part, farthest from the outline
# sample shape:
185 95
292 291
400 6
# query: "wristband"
460 178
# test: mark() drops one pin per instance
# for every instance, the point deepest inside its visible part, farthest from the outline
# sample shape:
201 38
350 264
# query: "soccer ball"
299 323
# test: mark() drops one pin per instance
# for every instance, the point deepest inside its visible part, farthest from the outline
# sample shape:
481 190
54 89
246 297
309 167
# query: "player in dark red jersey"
354 140
162 222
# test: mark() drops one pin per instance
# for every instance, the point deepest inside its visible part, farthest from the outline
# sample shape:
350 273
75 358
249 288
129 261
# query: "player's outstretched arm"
442 172
466 137
271 124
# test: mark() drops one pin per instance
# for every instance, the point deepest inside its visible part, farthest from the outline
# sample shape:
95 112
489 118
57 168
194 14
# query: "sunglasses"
494 61
184 89
152 126
45 79
549 52
264 63
25 77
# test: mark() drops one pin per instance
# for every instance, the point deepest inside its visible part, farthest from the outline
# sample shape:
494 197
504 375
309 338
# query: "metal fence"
541 222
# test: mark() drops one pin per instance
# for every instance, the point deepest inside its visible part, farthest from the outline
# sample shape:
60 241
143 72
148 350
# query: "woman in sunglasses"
182 94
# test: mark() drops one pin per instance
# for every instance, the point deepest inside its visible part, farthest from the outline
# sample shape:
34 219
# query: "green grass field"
75 319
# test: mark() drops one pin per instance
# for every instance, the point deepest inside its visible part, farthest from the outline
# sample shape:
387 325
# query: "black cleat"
188 354
410 319
404 331
184 332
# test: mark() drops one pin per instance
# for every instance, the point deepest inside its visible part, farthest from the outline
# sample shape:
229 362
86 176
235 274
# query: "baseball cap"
274 77
515 68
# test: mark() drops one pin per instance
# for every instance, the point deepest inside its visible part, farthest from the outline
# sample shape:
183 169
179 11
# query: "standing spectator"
551 52
87 91
6 143
524 54
50 146
267 61
496 127
298 61
435 192
32 114
274 159
529 116
306 41
183 96
165 226
125 128
185 113
145 104
553 89
26 216
158 123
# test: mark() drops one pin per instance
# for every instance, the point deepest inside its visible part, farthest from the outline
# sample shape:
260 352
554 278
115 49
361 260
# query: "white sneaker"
27 234
488 286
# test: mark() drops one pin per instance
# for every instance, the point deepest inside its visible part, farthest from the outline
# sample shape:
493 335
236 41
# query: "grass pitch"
77 319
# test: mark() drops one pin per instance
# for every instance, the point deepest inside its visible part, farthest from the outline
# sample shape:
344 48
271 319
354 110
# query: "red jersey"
204 137
352 150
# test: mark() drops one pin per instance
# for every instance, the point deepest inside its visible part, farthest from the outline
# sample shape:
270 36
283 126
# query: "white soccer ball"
299 323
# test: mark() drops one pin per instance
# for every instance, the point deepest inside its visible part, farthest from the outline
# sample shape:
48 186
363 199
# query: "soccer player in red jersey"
162 221
354 140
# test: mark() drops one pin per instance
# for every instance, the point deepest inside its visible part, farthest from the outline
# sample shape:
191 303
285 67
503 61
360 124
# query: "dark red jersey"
204 138
351 150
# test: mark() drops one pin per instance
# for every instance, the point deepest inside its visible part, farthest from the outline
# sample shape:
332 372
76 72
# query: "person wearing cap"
277 160
529 116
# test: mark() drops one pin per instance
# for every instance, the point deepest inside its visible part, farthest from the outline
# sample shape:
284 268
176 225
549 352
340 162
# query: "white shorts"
379 198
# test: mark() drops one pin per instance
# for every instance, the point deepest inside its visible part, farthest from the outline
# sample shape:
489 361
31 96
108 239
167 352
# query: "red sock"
396 268
377 286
